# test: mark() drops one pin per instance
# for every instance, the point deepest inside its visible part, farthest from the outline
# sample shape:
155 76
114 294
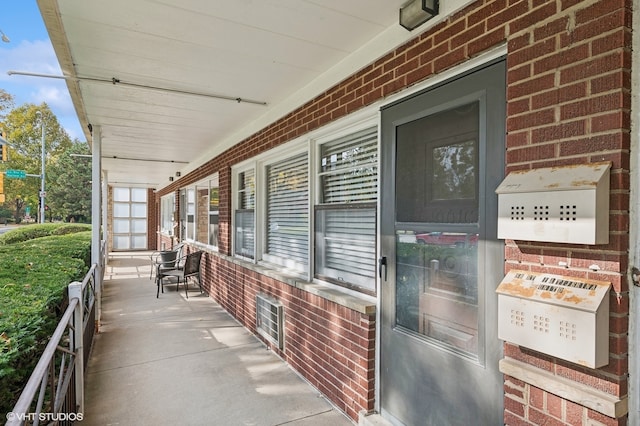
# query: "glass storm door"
443 157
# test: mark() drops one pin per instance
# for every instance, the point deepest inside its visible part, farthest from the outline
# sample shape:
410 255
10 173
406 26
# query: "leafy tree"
69 196
24 134
6 102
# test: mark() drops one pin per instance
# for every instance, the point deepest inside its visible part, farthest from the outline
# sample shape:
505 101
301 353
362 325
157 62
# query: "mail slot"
565 317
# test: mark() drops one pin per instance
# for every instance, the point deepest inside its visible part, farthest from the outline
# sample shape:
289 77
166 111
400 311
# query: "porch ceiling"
281 52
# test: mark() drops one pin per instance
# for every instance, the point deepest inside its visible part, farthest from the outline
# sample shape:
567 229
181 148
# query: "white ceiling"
281 52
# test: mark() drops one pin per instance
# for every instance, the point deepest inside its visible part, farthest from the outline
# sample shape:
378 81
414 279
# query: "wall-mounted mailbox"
568 204
565 317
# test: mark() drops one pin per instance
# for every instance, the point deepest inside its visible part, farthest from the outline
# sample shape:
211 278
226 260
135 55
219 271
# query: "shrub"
30 232
34 275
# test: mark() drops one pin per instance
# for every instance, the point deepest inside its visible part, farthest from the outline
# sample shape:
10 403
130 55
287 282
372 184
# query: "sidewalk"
177 361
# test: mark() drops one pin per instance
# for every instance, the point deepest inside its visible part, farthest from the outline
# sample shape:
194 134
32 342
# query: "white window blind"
288 210
346 217
244 215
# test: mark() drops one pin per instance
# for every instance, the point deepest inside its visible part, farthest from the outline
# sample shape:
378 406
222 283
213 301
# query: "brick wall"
568 95
332 346
153 219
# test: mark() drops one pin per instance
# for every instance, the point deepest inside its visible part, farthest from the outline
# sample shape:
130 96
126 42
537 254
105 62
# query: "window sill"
360 303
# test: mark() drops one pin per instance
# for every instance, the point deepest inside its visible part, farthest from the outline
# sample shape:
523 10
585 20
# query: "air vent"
270 319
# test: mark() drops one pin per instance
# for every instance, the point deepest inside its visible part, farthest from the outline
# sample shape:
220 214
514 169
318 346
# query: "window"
199 211
315 219
287 218
244 214
191 214
345 217
214 212
167 207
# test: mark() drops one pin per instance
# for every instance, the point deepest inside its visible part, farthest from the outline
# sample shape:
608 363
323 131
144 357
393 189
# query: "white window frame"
346 278
190 213
189 210
235 207
213 214
276 157
311 144
167 214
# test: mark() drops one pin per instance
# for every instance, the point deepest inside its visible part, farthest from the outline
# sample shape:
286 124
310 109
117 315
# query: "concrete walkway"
178 361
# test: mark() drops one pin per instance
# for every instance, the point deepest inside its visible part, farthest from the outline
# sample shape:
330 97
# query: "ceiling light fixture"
4 37
417 12
117 81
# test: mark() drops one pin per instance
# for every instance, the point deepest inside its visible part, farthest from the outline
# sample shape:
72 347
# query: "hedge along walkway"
34 274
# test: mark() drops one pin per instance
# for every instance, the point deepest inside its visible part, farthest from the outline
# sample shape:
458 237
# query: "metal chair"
189 269
165 259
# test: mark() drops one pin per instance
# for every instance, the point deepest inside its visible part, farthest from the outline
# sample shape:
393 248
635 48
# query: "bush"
34 275
30 232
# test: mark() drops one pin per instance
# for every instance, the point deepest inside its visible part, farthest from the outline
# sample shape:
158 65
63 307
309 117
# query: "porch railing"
54 393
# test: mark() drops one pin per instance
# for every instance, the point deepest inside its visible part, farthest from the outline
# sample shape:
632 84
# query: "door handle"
382 262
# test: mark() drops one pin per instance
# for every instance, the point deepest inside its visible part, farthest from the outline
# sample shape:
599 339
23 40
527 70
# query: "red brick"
554 405
594 67
513 406
536 397
551 28
533 119
528 20
597 10
618 120
558 131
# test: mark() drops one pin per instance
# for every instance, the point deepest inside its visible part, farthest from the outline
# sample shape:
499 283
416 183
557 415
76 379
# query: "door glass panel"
139 195
121 226
121 194
121 210
138 226
437 287
121 242
138 210
139 242
437 228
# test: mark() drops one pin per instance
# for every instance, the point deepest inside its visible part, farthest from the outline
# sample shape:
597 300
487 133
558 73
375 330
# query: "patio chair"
189 269
165 259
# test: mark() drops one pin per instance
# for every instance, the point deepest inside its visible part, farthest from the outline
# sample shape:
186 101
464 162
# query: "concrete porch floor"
178 361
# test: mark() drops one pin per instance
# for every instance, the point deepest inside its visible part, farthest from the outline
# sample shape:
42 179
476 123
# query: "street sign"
16 174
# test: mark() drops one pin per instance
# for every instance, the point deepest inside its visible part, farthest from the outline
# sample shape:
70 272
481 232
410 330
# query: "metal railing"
54 393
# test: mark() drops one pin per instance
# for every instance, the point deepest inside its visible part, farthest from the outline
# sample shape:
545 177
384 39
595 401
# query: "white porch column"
96 214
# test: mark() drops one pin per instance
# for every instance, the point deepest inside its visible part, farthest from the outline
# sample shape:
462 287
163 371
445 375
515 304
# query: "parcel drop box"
565 317
566 204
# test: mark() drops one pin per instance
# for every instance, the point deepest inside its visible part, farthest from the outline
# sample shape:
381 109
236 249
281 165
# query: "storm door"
443 157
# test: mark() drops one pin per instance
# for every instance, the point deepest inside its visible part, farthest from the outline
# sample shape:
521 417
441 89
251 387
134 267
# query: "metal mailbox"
565 317
568 204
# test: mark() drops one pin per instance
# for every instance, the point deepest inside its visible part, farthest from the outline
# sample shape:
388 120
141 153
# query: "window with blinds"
345 219
244 214
191 214
287 227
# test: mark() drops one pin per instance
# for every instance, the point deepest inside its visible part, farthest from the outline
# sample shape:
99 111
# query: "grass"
37 262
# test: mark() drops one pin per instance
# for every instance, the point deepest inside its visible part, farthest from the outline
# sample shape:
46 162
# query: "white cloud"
38 57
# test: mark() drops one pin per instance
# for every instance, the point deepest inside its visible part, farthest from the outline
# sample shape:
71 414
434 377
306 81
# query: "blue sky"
30 50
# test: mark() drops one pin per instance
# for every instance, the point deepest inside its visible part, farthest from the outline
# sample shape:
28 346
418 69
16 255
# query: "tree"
24 134
6 102
69 196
